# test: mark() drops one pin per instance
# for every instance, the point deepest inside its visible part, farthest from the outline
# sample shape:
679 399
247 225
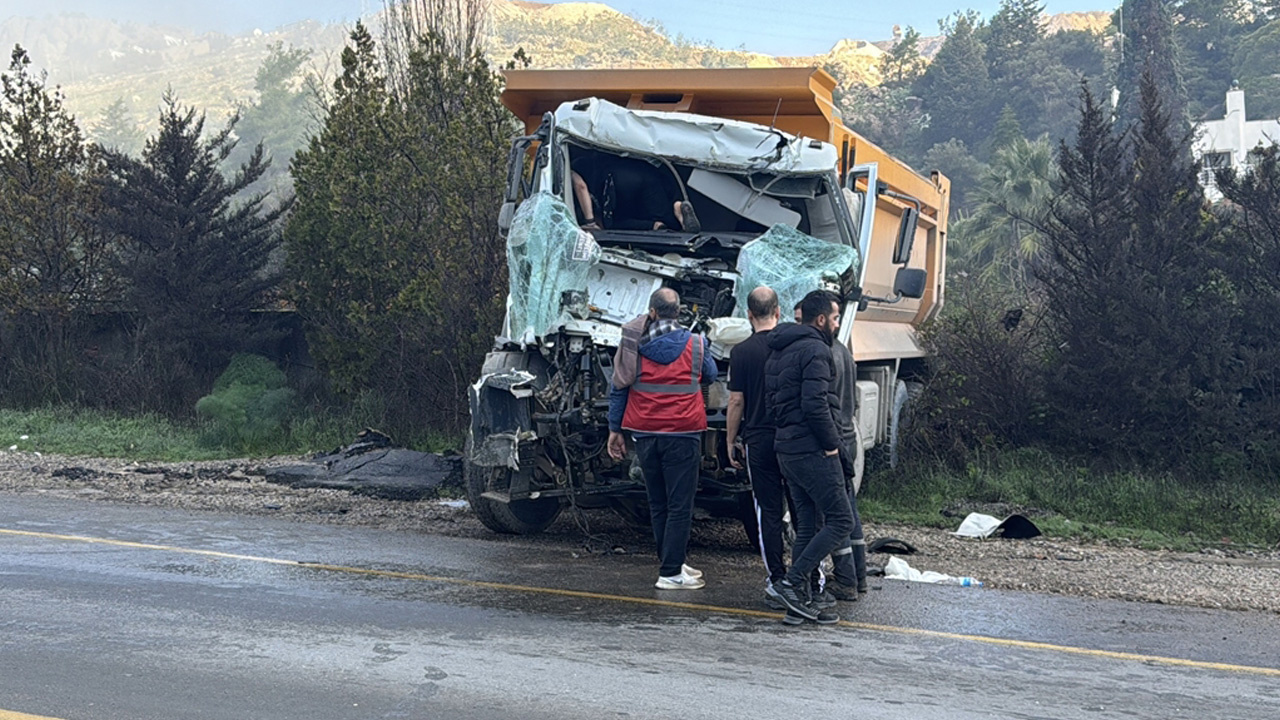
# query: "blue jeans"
670 466
817 490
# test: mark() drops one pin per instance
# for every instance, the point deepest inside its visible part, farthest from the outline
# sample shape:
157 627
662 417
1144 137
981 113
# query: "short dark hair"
665 303
816 304
762 302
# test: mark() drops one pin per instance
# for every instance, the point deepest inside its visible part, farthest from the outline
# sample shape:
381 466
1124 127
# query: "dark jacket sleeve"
709 371
617 407
815 399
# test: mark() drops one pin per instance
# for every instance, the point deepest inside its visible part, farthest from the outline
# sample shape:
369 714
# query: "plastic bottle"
965 581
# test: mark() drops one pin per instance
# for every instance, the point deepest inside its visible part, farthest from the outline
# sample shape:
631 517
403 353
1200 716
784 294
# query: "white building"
1227 142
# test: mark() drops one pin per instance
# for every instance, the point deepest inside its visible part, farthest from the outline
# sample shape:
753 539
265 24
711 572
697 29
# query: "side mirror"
910 282
906 236
505 216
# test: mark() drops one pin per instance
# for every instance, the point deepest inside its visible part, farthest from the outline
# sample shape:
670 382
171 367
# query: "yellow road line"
742 612
11 715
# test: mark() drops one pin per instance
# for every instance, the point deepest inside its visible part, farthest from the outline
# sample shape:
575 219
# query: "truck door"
525 170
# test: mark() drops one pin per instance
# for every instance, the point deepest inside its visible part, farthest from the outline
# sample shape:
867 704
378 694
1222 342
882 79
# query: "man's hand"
735 450
617 445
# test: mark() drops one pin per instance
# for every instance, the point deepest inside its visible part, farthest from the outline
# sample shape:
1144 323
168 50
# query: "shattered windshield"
790 262
547 256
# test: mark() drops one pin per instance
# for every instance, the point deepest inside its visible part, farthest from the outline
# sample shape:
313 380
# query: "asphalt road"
112 612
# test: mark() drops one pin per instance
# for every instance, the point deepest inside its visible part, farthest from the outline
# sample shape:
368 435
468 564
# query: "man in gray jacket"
850 559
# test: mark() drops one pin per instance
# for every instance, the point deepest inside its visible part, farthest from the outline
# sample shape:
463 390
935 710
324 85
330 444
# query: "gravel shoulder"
1213 578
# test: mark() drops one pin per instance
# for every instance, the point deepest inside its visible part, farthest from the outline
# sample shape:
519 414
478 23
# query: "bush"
249 406
986 385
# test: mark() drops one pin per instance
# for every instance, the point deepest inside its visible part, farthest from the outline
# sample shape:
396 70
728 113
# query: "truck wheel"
904 394
519 517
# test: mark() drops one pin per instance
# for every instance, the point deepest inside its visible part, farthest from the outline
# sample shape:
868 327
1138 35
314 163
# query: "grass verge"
67 430
1144 509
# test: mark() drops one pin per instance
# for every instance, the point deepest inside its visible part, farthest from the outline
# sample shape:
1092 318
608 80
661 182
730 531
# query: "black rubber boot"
860 566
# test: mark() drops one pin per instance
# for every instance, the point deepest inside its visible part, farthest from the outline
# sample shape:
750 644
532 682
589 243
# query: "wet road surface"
138 613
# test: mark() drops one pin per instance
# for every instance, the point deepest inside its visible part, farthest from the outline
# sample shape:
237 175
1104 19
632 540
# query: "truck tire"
519 517
904 394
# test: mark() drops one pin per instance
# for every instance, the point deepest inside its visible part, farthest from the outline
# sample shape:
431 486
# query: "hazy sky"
779 27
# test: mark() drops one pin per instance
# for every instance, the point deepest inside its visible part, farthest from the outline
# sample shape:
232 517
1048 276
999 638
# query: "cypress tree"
1148 41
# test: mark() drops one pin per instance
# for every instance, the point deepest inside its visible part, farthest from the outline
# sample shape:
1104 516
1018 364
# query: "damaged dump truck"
596 220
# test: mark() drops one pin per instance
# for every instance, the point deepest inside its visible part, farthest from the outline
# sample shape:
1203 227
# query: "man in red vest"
662 406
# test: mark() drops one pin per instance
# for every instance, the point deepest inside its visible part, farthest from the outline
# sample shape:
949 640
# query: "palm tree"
1003 236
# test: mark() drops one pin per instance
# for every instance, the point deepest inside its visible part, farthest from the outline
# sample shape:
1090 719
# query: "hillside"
100 61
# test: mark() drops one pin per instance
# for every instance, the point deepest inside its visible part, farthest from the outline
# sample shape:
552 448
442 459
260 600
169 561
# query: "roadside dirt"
1225 578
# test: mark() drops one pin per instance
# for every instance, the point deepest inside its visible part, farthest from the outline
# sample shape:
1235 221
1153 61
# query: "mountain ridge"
97 61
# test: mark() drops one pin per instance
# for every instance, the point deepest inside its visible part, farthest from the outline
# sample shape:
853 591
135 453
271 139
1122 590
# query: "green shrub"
249 406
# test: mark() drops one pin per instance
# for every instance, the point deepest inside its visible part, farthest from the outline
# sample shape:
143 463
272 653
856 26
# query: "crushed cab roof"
699 140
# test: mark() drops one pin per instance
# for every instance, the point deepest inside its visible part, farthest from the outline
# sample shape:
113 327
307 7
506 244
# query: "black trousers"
670 466
817 490
770 492
842 558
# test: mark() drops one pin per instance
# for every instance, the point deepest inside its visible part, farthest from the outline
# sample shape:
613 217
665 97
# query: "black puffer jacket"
799 390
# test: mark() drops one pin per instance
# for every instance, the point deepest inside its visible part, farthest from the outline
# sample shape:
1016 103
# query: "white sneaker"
690 572
679 582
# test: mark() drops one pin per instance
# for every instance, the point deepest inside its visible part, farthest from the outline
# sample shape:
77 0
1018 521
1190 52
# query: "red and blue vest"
668 398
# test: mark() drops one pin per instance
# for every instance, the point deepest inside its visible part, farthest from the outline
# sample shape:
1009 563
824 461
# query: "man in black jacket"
800 393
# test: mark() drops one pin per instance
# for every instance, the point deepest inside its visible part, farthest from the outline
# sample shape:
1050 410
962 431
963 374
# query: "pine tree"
195 261
1014 29
1008 130
1086 244
1182 326
117 130
903 63
1253 230
1145 328
956 88
281 118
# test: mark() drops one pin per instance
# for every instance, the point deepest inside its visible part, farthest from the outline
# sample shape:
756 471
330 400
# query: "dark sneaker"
821 600
826 617
793 597
792 619
842 592
771 598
